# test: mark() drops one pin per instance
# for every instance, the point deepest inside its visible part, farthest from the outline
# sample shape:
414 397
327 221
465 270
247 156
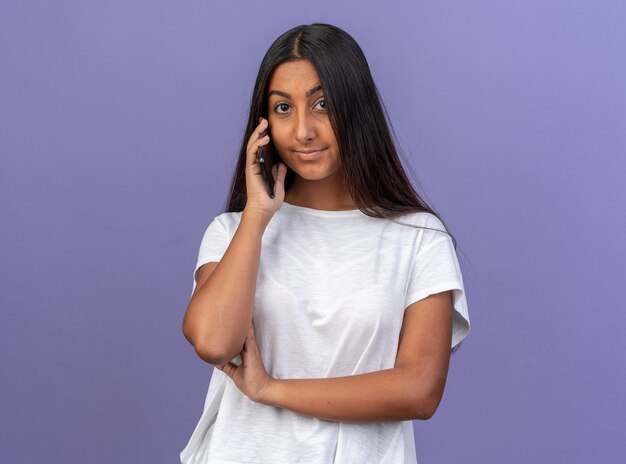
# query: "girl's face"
298 121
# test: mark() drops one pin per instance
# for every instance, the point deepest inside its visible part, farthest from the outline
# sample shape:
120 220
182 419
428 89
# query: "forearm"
386 395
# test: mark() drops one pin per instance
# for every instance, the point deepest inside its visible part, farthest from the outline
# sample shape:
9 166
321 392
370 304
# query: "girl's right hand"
258 198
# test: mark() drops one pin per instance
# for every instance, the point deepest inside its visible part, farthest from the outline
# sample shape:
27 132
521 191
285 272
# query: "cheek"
337 162
277 137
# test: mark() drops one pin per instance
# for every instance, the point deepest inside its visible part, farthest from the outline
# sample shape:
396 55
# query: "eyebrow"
309 92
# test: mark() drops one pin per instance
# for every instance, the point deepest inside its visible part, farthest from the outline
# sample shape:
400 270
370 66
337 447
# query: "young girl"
330 320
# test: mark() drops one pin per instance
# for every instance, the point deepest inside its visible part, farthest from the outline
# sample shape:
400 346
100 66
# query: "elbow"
425 411
204 351
210 356
216 354
207 347
425 407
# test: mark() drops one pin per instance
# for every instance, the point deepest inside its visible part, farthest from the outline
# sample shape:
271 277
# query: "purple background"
119 126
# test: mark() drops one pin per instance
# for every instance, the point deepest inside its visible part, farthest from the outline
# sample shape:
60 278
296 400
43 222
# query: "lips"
306 152
308 155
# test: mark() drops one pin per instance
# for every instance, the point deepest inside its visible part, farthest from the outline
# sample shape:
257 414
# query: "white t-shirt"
331 292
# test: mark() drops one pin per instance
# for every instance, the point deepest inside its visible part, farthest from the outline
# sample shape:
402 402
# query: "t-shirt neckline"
321 212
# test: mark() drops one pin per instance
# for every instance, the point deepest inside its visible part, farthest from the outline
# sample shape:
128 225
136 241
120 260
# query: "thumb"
280 172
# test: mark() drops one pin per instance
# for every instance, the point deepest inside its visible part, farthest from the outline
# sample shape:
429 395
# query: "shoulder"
229 220
422 221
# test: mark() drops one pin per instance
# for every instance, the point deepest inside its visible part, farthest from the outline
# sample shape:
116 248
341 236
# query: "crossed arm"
412 389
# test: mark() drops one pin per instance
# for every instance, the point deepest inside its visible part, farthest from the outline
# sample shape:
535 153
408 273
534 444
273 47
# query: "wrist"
256 217
273 393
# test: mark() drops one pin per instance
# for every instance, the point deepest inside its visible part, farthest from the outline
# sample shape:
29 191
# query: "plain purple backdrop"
119 126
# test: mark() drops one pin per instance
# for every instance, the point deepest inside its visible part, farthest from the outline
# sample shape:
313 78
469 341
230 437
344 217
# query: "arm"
411 390
390 394
220 311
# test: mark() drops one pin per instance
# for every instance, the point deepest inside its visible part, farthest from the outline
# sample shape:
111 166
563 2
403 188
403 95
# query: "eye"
322 101
278 106
283 105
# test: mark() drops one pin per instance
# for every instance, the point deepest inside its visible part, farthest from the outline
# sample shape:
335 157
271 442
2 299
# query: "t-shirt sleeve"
213 246
436 269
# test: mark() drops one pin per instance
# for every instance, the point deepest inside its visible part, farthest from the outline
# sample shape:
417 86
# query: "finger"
279 173
248 342
253 152
227 368
251 332
261 141
257 133
260 129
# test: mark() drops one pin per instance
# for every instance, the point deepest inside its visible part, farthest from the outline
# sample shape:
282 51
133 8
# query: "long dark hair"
374 174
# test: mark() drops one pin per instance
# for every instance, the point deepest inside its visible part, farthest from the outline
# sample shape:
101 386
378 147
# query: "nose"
305 128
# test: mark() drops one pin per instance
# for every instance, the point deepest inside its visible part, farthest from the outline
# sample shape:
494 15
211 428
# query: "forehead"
294 78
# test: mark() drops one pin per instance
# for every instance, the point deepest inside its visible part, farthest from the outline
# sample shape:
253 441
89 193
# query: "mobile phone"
261 159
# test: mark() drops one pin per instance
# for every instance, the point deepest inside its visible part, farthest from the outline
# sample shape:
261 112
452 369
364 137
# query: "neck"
330 194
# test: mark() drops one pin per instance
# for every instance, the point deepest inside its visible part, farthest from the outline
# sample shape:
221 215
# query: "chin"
313 173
